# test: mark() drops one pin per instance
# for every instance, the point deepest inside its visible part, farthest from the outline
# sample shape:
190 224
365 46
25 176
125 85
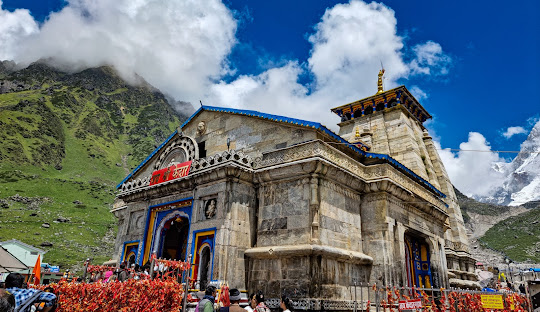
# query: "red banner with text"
170 173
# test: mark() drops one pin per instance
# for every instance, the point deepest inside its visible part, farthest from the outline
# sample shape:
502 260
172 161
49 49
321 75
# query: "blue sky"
483 76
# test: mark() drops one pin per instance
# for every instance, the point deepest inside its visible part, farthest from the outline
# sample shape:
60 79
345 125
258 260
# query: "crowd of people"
15 293
256 302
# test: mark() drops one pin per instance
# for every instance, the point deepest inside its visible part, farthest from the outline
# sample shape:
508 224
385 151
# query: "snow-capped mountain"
522 182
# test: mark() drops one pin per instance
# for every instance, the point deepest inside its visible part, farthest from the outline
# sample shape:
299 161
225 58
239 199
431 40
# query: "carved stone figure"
210 209
201 127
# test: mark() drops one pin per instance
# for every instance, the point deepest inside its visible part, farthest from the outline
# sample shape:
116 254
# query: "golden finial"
357 134
380 81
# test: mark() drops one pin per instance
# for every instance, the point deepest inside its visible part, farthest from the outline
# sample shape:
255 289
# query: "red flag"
37 271
224 297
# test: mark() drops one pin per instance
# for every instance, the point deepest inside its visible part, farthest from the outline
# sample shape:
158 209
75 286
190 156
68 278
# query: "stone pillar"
314 204
400 265
378 237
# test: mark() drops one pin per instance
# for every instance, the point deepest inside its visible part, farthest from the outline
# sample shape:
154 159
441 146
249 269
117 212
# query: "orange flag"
37 271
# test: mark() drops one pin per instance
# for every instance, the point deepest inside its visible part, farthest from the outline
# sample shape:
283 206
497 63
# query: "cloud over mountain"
471 169
178 46
182 47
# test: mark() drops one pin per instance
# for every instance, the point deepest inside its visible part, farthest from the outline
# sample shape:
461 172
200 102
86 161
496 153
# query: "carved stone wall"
284 215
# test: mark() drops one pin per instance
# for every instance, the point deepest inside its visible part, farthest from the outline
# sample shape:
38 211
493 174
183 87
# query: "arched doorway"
174 239
417 262
204 267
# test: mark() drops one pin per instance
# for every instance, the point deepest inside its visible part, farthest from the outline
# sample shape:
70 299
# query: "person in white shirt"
252 303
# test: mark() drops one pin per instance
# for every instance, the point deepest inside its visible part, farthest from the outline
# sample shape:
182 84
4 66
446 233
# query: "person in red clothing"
261 306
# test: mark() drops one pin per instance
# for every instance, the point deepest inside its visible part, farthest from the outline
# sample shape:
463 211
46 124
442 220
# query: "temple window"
202 149
357 113
380 106
368 110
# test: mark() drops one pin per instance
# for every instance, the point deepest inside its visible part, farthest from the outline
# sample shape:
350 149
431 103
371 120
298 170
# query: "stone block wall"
284 214
253 136
339 220
309 276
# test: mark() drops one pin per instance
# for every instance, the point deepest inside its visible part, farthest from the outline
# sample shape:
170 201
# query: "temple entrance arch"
203 253
174 235
417 262
204 266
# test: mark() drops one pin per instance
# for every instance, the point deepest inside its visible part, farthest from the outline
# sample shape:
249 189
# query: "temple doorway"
417 262
175 236
204 267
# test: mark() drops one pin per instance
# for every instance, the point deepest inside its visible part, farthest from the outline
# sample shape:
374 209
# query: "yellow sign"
492 302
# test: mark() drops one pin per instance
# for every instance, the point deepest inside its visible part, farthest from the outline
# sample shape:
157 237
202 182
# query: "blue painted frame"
213 246
189 212
124 249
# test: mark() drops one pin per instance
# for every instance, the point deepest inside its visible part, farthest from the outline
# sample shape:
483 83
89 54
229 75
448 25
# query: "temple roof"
393 97
362 150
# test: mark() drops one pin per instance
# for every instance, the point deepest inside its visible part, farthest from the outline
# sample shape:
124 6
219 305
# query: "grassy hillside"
517 237
67 140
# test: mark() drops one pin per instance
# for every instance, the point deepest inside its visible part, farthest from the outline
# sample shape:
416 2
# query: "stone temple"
283 205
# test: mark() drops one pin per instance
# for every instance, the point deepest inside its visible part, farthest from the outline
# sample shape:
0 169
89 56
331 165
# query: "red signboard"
410 304
170 173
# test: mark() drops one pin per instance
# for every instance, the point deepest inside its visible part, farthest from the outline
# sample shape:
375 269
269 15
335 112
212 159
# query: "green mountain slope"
66 141
517 237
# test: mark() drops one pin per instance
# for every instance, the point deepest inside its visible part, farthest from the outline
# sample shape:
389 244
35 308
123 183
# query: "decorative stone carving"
210 208
201 128
323 150
182 149
197 165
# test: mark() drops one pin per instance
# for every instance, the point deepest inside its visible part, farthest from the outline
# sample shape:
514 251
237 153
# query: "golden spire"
357 134
380 82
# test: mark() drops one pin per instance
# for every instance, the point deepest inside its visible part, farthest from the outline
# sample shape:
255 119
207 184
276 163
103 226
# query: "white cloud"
178 46
511 131
418 93
470 169
430 59
14 26
349 44
181 47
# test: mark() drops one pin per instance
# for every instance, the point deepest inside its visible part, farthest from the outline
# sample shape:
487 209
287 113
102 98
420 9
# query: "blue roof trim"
293 121
322 128
409 171
147 158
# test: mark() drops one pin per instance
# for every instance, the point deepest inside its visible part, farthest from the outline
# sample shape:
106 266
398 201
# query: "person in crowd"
522 288
123 274
234 296
207 303
261 306
7 301
107 276
252 303
286 304
14 285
